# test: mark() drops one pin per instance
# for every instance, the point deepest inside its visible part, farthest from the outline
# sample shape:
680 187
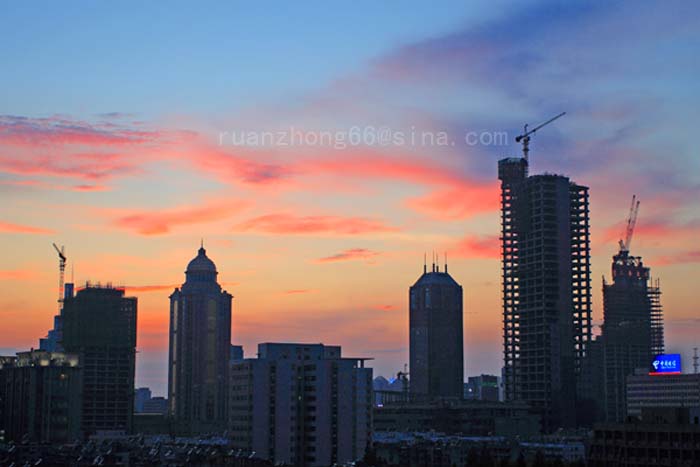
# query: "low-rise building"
474 418
665 390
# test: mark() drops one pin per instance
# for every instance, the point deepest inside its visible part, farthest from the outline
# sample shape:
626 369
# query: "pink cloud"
25 131
155 222
384 307
298 291
6 227
349 255
288 224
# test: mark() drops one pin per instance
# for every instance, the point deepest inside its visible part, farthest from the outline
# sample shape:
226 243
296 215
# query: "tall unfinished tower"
632 327
545 244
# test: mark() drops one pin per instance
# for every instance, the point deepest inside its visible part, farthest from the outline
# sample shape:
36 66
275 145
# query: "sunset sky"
118 128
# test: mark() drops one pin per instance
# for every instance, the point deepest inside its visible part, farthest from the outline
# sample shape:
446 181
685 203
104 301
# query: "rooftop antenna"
525 137
445 261
696 365
425 262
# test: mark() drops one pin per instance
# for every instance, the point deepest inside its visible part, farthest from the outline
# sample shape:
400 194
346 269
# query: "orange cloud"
298 291
473 246
686 257
149 288
6 227
455 195
16 274
349 255
287 224
384 307
156 222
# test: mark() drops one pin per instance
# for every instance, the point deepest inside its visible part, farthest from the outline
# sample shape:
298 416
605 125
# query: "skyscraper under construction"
632 330
545 244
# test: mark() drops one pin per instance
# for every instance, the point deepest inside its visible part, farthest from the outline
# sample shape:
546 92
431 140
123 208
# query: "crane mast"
61 272
525 137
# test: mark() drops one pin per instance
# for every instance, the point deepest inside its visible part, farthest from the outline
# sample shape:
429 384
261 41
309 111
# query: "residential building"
301 404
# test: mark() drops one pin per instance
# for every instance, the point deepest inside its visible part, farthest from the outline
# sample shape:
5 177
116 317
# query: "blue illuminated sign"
666 364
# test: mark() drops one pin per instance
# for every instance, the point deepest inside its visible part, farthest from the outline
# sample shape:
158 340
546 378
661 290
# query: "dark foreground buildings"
436 337
99 326
200 346
545 245
40 397
662 437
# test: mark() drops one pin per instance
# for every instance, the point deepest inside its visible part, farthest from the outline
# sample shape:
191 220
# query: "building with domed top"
200 340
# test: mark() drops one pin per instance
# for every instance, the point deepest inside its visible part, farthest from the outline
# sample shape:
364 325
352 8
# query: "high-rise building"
632 331
200 347
99 325
436 337
545 245
40 393
302 405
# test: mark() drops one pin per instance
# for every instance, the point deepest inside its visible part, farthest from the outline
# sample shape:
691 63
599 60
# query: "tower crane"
61 271
631 222
525 137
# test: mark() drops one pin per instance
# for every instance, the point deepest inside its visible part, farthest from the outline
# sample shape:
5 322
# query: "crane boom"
631 223
525 137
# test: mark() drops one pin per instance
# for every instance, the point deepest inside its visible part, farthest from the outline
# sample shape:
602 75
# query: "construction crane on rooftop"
631 222
525 137
61 271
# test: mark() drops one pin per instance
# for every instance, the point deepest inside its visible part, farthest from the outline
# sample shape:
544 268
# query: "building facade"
301 405
545 246
436 337
200 347
663 391
99 325
40 393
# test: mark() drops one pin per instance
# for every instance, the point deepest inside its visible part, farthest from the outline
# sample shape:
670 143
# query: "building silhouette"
200 346
99 325
301 405
545 245
436 337
40 397
632 331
